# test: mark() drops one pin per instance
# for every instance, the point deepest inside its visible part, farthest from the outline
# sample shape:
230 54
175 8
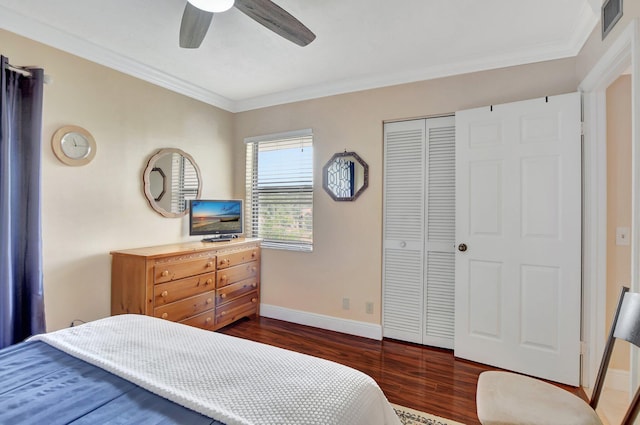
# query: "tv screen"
215 217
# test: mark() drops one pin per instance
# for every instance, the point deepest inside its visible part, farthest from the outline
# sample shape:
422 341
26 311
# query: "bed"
139 369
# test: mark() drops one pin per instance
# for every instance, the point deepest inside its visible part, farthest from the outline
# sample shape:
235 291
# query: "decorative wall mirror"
171 179
345 176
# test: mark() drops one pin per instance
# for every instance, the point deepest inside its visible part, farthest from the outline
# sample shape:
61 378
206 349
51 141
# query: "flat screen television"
216 219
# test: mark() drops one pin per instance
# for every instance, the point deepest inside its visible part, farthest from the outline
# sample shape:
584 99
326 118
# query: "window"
279 193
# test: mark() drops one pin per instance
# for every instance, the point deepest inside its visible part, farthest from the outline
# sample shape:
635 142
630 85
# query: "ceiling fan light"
215 6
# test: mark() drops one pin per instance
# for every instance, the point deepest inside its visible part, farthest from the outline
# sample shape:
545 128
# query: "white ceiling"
360 44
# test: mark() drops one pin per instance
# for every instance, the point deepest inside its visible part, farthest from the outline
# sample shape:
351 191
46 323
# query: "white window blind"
279 190
184 182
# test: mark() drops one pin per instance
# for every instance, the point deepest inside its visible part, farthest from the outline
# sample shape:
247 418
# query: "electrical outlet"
369 308
345 303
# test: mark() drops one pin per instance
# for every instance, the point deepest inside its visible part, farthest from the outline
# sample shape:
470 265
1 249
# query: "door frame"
624 52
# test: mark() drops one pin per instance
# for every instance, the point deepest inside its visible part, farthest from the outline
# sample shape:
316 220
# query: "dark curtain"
21 295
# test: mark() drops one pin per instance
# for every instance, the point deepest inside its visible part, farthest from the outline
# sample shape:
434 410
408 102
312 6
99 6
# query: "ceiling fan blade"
194 26
277 20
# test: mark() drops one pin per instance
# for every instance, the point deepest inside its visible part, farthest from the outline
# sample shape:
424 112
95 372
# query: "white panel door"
518 211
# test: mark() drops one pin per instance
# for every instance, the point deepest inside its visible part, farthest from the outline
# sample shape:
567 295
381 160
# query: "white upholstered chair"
505 398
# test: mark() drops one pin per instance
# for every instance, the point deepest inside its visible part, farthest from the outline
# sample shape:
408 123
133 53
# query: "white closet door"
518 205
419 231
439 283
403 231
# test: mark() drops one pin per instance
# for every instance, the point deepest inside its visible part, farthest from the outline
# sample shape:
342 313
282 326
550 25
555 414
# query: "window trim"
299 246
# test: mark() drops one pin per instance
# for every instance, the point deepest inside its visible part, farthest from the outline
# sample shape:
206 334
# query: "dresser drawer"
166 272
240 257
179 282
165 293
234 310
235 290
186 308
204 320
235 274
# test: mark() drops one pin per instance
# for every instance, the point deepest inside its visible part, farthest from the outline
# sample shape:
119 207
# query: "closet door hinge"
582 128
584 348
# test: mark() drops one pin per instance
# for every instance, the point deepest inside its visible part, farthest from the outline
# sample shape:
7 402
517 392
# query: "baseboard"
617 379
351 327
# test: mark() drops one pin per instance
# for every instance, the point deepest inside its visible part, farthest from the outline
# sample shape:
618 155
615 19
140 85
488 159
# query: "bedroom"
89 211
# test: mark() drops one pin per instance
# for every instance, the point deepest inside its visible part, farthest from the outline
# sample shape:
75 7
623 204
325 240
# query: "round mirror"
345 176
170 180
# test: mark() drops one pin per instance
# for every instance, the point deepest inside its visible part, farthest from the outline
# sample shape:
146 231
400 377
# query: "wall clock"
73 145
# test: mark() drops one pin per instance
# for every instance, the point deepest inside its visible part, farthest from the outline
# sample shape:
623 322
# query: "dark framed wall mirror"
170 180
345 176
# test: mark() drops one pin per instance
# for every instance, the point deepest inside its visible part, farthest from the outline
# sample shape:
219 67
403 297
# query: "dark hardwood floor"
415 376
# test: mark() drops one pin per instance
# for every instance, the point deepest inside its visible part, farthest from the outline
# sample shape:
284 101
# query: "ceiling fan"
198 14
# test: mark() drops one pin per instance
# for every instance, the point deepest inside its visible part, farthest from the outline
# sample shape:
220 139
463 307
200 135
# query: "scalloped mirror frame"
146 181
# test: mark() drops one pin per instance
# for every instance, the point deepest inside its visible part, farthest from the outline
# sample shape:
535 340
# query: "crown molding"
544 52
46 34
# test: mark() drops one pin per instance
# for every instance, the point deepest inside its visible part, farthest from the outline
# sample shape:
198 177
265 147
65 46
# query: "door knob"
462 247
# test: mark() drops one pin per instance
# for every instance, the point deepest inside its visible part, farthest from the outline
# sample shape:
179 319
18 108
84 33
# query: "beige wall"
618 200
88 211
595 47
618 270
346 261
91 210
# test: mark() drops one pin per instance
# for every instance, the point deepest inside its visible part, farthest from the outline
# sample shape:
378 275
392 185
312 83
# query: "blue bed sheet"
40 384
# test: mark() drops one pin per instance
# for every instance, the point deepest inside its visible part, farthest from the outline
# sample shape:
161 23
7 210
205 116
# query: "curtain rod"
25 72
19 70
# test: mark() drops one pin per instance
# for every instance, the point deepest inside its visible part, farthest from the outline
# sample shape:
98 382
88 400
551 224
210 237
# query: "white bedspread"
229 379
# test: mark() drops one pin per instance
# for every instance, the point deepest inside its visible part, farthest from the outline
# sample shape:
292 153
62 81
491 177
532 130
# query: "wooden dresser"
207 285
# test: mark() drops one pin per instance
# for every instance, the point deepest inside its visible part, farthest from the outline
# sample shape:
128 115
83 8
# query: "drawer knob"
253 269
223 296
208 320
209 300
254 300
209 264
165 315
164 294
224 278
224 313
165 273
254 284
208 282
253 254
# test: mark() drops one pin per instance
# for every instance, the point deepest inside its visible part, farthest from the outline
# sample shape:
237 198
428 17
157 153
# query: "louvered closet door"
403 245
419 202
440 236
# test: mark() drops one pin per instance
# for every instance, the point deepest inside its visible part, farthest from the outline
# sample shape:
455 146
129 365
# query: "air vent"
611 14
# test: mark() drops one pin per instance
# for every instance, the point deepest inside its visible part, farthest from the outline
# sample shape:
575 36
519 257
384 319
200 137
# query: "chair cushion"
508 398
